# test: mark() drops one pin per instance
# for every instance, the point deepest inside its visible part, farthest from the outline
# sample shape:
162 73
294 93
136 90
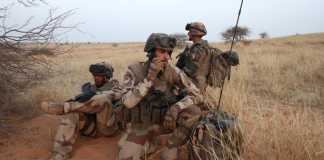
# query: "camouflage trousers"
151 140
180 135
86 120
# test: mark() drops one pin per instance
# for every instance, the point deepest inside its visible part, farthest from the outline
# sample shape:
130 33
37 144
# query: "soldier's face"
190 36
162 54
99 80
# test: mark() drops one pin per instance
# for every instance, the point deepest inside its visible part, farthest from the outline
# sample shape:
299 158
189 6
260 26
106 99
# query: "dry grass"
277 91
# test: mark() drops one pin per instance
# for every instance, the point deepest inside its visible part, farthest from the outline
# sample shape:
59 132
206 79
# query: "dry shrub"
24 50
284 133
42 51
273 91
246 42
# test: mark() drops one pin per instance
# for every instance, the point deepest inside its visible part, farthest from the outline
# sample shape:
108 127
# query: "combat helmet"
103 68
196 28
159 40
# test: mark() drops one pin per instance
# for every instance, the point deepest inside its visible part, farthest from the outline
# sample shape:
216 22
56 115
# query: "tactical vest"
186 63
191 65
208 69
163 94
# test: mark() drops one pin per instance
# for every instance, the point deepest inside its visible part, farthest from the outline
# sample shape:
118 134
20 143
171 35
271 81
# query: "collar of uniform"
107 86
202 41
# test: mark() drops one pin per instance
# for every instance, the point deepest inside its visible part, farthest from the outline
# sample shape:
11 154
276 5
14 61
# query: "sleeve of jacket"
194 96
134 93
116 92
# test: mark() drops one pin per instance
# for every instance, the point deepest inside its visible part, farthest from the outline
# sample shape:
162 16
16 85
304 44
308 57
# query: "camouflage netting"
217 136
219 68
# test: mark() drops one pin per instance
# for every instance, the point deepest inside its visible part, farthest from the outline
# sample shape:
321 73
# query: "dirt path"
33 140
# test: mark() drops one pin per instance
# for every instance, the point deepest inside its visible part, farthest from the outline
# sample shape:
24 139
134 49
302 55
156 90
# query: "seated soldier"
158 82
81 115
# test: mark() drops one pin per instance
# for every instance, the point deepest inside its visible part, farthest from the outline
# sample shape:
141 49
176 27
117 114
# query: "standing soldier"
208 66
81 115
200 61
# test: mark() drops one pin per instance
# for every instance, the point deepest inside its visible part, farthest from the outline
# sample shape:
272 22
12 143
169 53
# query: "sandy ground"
33 140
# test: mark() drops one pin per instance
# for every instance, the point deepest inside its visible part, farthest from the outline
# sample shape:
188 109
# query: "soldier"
157 82
207 66
80 115
199 63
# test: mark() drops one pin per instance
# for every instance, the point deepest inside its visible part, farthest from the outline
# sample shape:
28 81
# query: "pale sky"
134 20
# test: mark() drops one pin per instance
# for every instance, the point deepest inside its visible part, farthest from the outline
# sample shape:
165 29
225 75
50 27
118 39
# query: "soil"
32 140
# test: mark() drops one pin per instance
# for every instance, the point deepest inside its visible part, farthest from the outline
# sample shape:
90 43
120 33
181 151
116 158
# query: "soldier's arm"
115 93
108 96
134 93
193 96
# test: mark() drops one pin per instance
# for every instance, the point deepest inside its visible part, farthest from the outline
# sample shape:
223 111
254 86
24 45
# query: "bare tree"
241 34
264 35
22 46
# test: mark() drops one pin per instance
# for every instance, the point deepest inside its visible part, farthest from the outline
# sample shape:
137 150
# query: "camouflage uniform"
207 66
171 88
82 116
195 60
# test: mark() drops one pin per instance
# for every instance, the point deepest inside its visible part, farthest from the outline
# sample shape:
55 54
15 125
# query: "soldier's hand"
171 117
169 123
156 66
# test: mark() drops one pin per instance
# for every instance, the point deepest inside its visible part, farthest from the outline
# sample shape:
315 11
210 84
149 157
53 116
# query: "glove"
156 66
169 122
171 117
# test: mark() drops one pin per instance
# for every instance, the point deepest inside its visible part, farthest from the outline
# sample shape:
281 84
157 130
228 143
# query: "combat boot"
56 108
